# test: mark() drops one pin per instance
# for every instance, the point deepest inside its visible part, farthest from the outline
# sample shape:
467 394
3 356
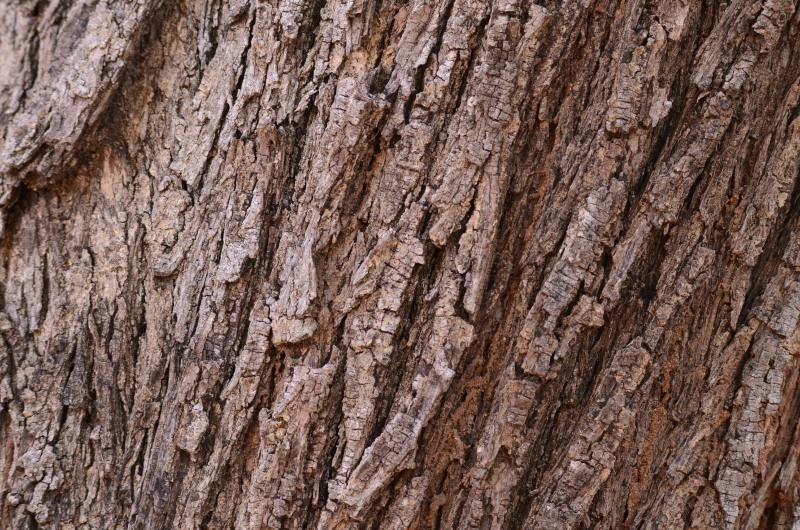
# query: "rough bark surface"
399 264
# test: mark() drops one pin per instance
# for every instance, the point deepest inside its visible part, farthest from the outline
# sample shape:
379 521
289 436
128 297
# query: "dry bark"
399 264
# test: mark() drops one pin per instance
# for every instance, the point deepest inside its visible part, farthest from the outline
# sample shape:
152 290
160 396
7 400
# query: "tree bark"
399 264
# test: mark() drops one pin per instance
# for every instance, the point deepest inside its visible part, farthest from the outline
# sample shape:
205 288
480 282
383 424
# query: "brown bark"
399 264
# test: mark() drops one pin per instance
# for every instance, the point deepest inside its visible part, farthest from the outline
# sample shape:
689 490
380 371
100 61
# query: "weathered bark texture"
391 264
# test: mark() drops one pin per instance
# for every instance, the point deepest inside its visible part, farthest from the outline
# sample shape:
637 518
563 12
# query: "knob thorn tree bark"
399 264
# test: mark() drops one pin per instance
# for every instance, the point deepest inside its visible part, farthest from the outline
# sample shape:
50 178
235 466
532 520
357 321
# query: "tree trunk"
391 264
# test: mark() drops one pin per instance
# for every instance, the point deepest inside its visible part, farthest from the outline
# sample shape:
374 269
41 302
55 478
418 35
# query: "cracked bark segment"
771 20
418 120
371 336
168 221
716 49
760 402
394 449
75 55
275 73
680 283
236 411
770 197
628 104
484 125
287 454
477 243
589 460
244 228
240 389
589 234
668 190
504 436
312 225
